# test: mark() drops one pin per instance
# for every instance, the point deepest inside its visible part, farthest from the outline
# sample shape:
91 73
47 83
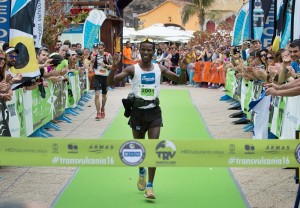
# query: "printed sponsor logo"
55 148
132 153
83 161
165 150
249 149
99 148
231 149
73 148
262 161
148 78
297 153
273 149
12 109
23 150
202 152
292 118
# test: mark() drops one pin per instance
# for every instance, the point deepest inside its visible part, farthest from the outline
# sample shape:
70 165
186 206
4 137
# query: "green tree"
57 21
196 7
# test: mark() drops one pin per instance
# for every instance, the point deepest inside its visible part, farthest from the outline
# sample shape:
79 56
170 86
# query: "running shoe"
142 182
98 117
149 193
102 112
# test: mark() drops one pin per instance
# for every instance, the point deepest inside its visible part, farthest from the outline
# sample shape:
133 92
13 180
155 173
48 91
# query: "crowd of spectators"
54 66
272 67
276 69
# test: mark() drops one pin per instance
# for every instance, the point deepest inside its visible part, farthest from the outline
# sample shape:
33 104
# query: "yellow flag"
276 44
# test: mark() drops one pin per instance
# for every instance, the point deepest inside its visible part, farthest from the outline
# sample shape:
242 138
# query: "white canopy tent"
178 39
130 33
159 31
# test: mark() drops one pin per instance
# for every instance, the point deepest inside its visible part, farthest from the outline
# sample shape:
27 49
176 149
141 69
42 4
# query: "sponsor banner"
21 37
4 119
209 72
27 105
91 28
291 118
59 98
29 110
230 82
259 11
246 97
4 20
41 108
149 153
286 36
246 29
14 119
239 25
238 89
82 82
74 93
274 115
39 23
269 27
296 20
21 112
75 29
261 118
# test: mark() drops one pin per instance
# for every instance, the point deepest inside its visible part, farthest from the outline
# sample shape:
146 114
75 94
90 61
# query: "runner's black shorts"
144 119
100 82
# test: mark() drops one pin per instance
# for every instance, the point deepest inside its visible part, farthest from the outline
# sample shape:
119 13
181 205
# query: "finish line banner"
149 153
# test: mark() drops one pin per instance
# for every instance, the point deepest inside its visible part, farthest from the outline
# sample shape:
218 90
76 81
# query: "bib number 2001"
147 92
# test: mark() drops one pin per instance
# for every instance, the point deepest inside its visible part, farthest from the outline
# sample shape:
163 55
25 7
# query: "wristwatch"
105 66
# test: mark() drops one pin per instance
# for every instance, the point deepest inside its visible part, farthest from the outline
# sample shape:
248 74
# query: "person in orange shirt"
127 58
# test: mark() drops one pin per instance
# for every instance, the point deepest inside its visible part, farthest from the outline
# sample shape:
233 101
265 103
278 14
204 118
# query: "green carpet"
174 187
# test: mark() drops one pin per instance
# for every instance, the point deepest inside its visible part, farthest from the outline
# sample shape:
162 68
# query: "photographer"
50 71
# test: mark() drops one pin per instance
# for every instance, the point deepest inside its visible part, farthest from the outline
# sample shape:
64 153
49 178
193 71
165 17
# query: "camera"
56 59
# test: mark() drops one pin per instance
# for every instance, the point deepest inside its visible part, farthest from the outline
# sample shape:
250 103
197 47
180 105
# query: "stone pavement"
262 187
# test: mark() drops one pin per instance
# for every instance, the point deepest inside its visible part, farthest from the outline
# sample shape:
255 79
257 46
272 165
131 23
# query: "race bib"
147 91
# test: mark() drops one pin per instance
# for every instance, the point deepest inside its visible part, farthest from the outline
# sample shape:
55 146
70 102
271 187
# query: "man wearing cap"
12 55
101 62
257 45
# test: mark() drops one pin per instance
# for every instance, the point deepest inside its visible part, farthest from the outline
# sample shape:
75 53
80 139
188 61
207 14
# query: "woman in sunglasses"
272 67
142 106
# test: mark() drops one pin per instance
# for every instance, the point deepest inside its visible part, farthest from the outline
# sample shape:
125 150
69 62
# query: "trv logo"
165 150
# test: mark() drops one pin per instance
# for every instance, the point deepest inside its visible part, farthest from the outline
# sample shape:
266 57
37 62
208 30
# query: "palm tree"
197 7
